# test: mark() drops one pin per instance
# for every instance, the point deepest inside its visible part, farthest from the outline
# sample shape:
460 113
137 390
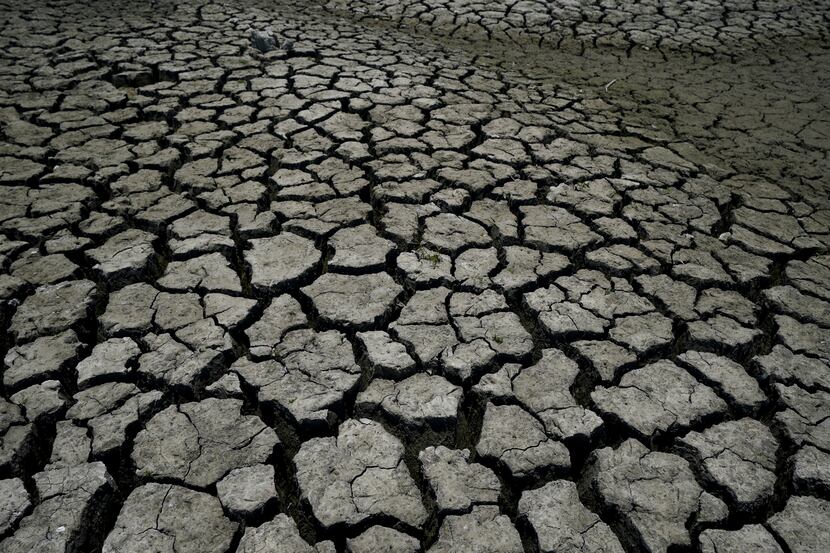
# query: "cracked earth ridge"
279 278
703 26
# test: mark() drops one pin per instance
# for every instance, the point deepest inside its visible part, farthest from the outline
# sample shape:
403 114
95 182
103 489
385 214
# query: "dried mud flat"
439 276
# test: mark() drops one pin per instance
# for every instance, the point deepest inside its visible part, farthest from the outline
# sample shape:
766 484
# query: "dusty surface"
414 276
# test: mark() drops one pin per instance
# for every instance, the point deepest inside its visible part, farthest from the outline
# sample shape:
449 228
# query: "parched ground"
400 276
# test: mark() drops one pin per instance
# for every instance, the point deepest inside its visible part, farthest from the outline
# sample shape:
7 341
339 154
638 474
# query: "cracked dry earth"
439 276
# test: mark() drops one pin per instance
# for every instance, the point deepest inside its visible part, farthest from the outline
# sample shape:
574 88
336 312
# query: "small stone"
263 41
